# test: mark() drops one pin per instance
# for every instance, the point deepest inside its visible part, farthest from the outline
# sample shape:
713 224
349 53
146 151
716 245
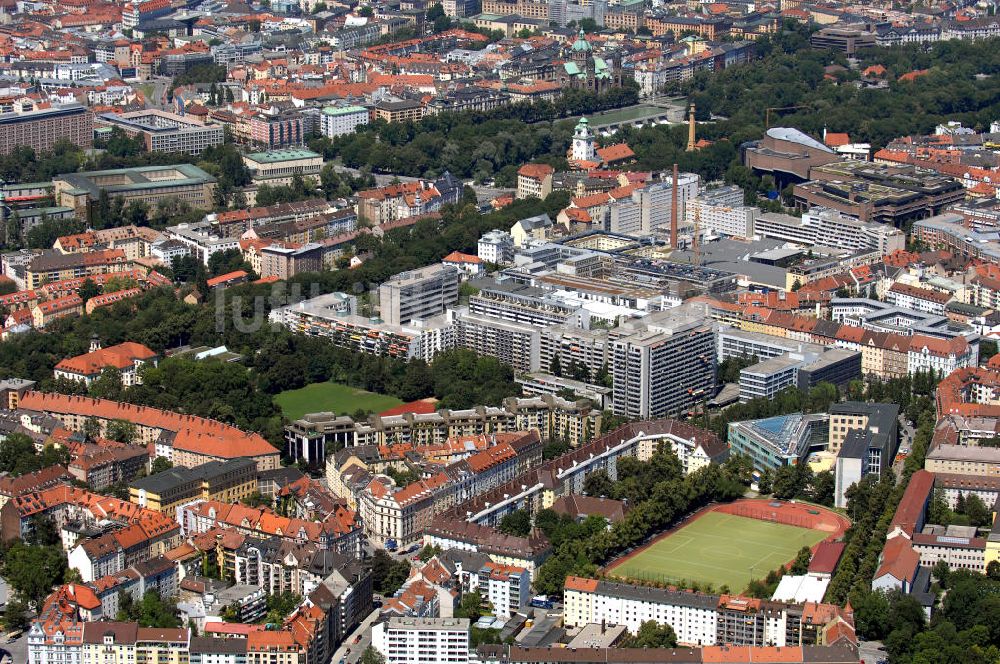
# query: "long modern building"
166 132
948 231
702 619
893 195
332 316
309 437
147 184
41 129
830 228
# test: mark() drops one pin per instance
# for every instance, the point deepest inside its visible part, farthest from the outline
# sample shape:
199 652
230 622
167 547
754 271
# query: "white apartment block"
201 239
335 121
830 228
733 342
516 344
722 212
506 587
409 640
918 299
650 208
496 247
693 616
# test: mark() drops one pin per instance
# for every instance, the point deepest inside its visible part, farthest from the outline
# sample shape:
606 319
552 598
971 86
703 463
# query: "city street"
364 630
18 650
871 652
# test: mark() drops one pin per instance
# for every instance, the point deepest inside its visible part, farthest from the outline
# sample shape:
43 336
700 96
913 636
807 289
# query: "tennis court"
717 548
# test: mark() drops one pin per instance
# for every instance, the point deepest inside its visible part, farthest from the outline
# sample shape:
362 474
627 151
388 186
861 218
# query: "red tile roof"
615 153
194 434
581 584
226 278
899 560
120 356
826 557
459 257
911 507
536 171
835 140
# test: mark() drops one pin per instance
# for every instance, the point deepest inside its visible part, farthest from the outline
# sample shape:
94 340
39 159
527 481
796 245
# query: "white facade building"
507 588
496 247
335 121
692 616
722 212
830 228
943 356
407 640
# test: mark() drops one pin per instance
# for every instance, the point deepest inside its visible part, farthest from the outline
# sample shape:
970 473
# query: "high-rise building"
337 121
649 208
722 212
40 129
666 366
418 294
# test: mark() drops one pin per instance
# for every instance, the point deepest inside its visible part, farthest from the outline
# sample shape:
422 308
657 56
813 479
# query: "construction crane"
767 113
697 229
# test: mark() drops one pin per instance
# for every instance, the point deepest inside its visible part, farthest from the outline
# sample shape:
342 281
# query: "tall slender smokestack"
691 142
673 212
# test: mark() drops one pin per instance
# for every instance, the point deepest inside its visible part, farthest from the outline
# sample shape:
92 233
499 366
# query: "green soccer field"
720 549
333 397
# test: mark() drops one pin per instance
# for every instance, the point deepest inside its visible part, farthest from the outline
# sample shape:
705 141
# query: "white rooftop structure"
795 136
801 589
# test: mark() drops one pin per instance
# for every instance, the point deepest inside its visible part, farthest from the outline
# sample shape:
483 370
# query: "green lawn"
721 549
333 397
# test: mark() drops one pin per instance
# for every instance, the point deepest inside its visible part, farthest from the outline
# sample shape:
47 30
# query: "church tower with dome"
585 70
583 142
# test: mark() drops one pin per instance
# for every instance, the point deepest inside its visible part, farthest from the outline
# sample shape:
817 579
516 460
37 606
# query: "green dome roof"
581 43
